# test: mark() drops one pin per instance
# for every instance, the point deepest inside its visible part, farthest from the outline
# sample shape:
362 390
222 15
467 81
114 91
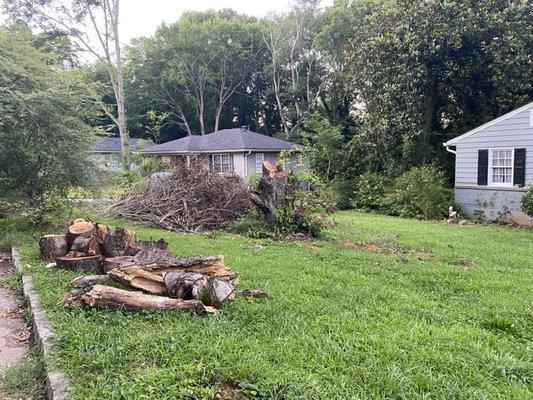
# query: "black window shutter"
482 167
519 175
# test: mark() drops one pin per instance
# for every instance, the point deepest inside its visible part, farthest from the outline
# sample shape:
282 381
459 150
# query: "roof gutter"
448 148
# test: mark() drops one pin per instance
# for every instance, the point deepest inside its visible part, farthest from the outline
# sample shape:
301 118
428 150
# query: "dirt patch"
392 250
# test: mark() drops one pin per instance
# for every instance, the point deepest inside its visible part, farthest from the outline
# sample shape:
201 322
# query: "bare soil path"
14 334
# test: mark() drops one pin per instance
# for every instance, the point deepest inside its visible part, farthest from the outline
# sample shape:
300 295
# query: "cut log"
100 231
221 290
185 285
87 245
88 280
82 228
90 264
116 262
132 250
78 220
255 293
164 262
74 297
117 240
139 278
160 244
53 246
117 299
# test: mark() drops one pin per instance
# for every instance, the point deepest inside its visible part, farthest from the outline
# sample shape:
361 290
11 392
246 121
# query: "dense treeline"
370 85
377 85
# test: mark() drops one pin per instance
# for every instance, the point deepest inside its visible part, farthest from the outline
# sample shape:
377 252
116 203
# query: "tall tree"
94 27
44 137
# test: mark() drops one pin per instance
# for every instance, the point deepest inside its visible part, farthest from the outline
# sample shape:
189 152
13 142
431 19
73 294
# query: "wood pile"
160 281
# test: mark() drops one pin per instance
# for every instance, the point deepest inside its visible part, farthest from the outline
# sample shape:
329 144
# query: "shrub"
252 227
369 193
302 213
527 202
421 193
341 193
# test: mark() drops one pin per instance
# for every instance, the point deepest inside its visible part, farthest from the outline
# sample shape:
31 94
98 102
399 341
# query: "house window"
259 158
501 167
222 163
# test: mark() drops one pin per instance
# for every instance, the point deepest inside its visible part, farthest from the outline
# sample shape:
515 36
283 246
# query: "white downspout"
246 163
450 150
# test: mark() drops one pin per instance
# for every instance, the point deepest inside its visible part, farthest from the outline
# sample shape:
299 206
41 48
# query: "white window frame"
220 157
501 184
259 165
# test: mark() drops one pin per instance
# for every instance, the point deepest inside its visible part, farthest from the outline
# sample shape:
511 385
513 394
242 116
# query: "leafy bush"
369 192
252 227
342 193
421 193
527 202
302 213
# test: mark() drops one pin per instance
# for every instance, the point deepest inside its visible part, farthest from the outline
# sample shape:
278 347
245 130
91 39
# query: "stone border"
56 383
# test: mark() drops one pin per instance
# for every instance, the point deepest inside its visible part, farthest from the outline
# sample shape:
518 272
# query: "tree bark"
90 264
117 240
116 262
117 299
53 246
89 280
86 245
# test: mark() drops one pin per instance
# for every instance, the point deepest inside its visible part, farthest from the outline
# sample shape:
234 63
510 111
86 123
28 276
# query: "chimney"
244 128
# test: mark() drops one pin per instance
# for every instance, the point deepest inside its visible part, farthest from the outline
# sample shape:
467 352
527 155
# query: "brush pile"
160 280
190 199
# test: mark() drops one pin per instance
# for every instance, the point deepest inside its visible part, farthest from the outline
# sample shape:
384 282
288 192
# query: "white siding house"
237 151
494 166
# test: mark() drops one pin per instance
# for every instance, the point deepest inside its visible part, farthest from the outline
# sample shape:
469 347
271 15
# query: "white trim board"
453 141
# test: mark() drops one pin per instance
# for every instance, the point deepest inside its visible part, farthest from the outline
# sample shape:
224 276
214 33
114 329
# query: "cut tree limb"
255 293
88 280
87 245
116 262
90 264
53 246
117 299
81 228
117 240
139 278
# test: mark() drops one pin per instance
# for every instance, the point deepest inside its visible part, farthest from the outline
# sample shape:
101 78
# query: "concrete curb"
56 383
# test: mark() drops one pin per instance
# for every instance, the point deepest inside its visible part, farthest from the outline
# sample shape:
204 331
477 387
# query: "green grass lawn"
449 317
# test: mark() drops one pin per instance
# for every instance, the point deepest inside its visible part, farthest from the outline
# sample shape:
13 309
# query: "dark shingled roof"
234 139
111 145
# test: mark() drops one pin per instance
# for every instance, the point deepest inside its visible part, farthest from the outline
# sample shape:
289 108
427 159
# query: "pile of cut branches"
191 199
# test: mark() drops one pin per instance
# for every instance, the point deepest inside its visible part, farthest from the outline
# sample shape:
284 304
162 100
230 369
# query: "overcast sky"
142 17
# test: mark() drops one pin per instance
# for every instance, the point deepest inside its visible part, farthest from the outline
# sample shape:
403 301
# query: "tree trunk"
429 110
83 229
53 246
270 194
118 299
139 278
116 262
117 240
89 264
89 280
86 245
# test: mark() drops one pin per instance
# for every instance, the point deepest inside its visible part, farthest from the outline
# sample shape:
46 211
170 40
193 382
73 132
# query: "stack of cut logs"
115 254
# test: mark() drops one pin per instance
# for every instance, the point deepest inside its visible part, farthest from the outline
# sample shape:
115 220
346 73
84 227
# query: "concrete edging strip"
56 383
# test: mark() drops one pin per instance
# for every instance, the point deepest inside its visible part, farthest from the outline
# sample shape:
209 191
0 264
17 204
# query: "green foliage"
44 140
421 193
323 146
527 202
251 226
369 194
341 192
